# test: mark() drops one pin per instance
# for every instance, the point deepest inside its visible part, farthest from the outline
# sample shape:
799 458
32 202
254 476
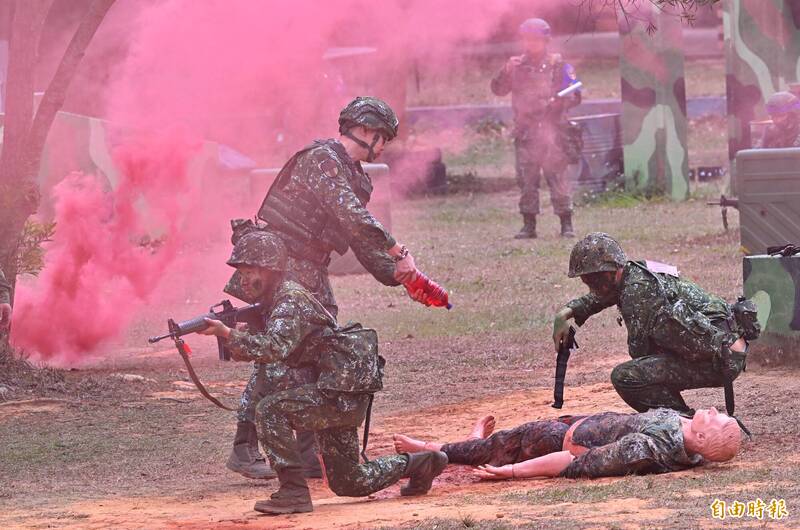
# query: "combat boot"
243 459
307 447
292 497
421 469
528 230
566 225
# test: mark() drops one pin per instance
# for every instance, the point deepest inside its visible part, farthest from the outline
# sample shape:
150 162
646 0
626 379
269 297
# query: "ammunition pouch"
349 362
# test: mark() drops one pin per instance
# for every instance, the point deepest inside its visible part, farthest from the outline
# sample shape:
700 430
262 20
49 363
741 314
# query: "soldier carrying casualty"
318 205
544 141
298 333
601 445
679 336
5 302
784 131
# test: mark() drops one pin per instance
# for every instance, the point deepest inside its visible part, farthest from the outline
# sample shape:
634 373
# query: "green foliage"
30 258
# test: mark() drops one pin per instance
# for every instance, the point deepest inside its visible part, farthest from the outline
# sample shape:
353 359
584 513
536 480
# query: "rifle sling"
366 429
196 380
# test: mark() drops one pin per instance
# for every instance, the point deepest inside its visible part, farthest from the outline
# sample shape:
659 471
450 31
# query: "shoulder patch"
329 167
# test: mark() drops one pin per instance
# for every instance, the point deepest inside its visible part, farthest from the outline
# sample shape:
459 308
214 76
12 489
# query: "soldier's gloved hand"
215 327
561 326
5 315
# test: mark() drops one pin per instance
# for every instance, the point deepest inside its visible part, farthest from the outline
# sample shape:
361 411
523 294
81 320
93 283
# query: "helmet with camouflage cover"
597 252
259 249
535 27
369 112
782 103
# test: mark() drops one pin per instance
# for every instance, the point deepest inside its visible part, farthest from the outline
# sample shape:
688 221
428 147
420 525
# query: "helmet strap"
361 143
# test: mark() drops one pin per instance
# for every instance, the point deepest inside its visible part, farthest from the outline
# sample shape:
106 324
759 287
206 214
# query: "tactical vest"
309 231
532 85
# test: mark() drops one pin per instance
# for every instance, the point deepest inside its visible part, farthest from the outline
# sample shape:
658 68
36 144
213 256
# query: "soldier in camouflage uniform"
679 336
300 333
784 131
5 302
317 205
245 457
600 445
544 141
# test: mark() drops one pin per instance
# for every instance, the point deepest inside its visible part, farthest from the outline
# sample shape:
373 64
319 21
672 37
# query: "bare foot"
483 428
405 444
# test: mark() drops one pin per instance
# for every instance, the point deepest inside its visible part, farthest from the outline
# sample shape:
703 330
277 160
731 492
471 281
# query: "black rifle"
564 349
228 315
725 203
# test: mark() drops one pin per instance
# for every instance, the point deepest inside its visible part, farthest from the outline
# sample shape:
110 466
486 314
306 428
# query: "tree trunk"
24 134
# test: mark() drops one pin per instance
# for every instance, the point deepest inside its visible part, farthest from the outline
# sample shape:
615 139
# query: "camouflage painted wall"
762 56
773 283
654 123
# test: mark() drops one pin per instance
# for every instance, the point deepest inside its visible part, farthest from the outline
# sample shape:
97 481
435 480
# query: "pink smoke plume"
98 269
248 74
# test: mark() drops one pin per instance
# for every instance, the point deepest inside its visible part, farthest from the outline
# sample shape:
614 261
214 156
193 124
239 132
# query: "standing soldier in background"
544 141
317 205
784 131
5 302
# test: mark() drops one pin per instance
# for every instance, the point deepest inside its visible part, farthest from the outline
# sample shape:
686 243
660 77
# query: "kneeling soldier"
301 333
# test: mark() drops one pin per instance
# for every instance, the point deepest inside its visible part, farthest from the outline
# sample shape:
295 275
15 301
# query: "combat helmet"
259 248
782 103
535 27
369 112
597 252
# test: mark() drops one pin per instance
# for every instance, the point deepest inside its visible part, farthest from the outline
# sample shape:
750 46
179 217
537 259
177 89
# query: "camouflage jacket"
532 83
318 202
775 138
5 290
625 444
663 314
293 318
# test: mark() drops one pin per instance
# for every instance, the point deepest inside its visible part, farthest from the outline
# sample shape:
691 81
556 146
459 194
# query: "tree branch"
56 92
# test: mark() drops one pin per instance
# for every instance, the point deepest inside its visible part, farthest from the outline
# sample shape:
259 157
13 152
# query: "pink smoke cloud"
249 74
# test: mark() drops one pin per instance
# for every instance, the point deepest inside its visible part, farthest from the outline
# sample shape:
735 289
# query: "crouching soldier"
300 333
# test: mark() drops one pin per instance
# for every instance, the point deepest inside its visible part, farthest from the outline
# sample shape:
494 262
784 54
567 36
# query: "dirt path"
456 494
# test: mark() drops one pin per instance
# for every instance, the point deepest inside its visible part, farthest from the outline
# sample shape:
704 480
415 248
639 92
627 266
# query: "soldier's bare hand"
5 315
405 270
513 62
215 327
488 472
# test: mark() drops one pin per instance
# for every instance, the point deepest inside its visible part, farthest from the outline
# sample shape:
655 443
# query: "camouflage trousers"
270 378
306 408
535 155
657 381
530 440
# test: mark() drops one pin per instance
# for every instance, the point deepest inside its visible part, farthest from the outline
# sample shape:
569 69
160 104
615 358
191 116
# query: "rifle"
725 203
565 348
228 315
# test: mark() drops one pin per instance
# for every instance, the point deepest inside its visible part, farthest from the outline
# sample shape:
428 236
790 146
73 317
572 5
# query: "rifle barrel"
153 340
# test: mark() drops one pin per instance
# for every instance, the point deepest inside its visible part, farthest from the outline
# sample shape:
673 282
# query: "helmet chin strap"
361 143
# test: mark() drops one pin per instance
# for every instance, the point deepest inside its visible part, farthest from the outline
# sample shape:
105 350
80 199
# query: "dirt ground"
91 449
